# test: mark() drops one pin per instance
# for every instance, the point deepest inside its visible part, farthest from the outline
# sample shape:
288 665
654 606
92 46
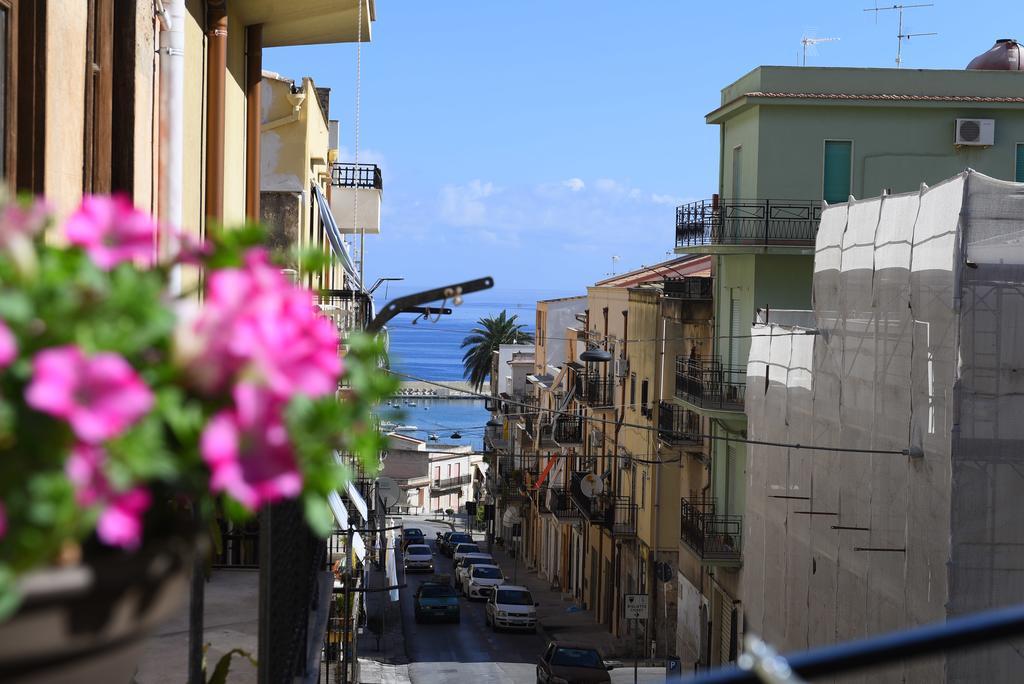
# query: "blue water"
431 350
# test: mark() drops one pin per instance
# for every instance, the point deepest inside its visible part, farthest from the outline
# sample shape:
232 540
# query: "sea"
429 349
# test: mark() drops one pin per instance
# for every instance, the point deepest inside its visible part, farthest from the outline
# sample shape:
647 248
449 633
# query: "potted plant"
130 411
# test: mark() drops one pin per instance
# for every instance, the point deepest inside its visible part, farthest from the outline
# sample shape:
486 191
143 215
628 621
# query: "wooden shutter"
838 171
99 97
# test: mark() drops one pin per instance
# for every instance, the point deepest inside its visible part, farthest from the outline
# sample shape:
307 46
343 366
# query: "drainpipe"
172 119
253 107
216 73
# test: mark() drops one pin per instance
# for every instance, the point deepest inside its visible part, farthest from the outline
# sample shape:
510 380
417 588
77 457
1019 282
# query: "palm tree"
484 340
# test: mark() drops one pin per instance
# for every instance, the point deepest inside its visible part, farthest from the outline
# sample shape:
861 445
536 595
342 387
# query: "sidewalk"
559 617
389 663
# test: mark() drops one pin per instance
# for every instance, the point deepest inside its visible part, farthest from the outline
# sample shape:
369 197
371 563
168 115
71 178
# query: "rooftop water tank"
1005 55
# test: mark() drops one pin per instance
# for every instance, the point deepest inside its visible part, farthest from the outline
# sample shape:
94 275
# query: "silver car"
418 557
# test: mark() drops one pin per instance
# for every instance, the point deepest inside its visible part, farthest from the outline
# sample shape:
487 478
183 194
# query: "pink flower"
120 523
3 520
84 468
99 395
8 346
248 451
112 231
256 326
23 221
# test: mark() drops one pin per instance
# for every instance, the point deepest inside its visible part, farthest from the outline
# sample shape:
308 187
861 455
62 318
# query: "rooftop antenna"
900 35
809 42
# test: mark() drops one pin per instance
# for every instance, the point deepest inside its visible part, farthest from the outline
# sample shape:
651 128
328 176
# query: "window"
643 396
737 172
1019 166
838 171
632 390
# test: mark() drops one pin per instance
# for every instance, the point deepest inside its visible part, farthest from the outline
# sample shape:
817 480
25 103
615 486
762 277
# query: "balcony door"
838 171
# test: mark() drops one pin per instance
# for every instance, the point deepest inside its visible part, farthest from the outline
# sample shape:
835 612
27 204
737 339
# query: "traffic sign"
636 607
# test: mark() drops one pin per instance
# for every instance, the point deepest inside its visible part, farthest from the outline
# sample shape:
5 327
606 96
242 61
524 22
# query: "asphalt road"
470 651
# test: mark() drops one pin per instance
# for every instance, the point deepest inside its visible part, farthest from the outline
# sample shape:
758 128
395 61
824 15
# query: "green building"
791 139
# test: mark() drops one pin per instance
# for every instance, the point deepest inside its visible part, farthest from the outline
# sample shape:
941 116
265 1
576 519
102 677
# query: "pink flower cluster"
100 396
260 338
112 231
8 346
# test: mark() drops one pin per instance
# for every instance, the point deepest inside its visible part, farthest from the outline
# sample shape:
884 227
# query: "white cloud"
574 184
463 205
670 200
607 185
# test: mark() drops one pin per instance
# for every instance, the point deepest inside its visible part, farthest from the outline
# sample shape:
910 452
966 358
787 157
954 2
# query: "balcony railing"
714 538
595 391
348 175
747 222
710 384
349 310
568 430
559 503
678 426
690 287
617 514
451 482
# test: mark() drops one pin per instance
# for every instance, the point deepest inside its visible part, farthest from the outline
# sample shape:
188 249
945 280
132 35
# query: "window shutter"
836 183
1019 176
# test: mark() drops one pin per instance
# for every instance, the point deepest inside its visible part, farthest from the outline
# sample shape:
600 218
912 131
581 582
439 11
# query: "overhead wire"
639 426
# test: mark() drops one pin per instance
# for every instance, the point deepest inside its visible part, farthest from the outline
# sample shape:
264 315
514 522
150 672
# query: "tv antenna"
900 35
809 42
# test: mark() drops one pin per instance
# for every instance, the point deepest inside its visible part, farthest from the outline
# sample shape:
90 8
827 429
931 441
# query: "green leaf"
318 514
220 672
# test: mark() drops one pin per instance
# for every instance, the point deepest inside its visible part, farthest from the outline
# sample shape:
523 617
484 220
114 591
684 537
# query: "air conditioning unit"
975 132
621 367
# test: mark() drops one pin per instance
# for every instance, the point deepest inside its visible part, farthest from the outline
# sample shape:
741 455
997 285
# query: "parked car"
463 565
481 579
436 600
454 540
412 535
418 557
511 607
571 663
462 549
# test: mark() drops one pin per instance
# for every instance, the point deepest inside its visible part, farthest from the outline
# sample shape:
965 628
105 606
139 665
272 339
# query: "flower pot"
89 622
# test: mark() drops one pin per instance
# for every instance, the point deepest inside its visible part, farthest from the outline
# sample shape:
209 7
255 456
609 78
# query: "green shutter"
836 185
1019 177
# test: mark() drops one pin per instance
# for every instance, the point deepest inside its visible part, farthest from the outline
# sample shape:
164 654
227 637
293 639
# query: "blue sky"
533 140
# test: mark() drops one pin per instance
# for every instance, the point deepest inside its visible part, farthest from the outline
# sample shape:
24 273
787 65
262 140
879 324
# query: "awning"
543 380
356 498
341 517
338 246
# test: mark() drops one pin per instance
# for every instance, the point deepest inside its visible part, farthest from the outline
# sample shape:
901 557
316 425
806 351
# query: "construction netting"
917 343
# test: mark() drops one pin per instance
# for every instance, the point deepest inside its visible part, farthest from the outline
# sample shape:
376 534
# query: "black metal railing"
690 287
710 384
450 482
349 310
349 175
678 426
615 513
747 222
594 390
240 545
568 430
713 537
560 503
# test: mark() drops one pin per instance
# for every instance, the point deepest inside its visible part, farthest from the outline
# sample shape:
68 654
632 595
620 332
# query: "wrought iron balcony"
747 222
450 482
678 426
716 539
568 430
690 288
617 514
559 503
710 384
348 175
595 391
349 310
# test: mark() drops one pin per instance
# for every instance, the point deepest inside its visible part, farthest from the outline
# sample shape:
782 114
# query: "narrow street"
470 650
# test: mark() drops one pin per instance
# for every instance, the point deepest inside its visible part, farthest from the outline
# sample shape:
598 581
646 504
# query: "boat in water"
433 437
406 428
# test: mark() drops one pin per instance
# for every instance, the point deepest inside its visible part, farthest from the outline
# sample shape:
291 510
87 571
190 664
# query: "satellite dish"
510 517
456 435
591 485
388 491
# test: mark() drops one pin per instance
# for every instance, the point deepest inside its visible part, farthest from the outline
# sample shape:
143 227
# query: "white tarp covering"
919 302
341 516
390 565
